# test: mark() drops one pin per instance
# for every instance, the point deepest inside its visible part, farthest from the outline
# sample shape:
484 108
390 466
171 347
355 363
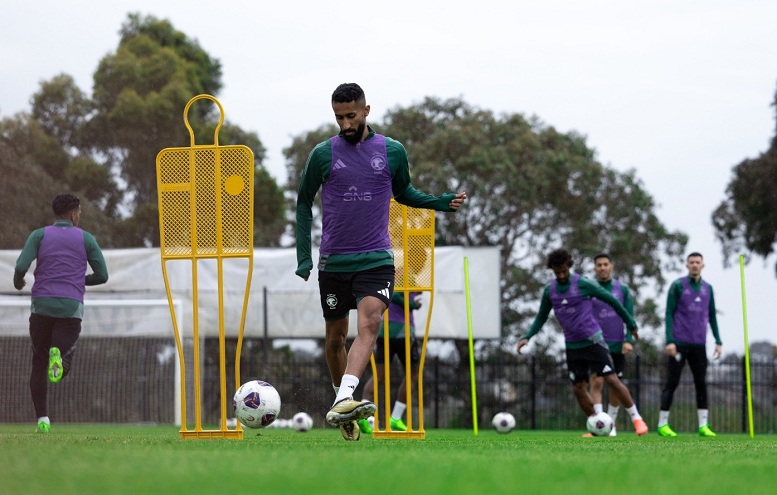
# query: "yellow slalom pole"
471 349
747 346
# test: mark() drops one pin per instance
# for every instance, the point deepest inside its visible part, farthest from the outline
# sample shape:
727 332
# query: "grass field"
105 459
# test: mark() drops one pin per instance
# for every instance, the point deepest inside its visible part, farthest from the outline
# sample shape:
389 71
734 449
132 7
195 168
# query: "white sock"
613 411
703 417
337 389
399 410
633 412
663 418
347 386
598 407
44 419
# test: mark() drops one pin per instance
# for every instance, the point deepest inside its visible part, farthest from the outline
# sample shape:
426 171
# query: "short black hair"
65 203
695 253
602 255
348 92
559 257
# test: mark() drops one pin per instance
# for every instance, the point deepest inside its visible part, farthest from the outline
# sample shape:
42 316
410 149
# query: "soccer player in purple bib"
358 171
690 307
62 251
570 298
619 339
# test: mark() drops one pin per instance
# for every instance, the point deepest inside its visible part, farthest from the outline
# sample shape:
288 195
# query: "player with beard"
569 296
358 171
619 339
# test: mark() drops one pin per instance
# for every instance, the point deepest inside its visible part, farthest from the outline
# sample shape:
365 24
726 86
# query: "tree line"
531 188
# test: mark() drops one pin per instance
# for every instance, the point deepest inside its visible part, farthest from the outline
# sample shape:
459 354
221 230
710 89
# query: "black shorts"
595 358
397 348
341 291
619 360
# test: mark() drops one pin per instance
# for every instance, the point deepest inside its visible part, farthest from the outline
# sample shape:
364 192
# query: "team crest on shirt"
378 163
331 301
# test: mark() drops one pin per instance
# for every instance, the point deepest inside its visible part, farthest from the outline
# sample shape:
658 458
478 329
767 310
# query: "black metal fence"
537 392
133 381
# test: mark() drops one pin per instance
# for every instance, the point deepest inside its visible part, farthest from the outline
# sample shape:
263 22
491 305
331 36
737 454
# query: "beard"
356 136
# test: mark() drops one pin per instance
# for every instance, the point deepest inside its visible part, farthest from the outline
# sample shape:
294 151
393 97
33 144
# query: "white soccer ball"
600 424
256 404
302 422
503 422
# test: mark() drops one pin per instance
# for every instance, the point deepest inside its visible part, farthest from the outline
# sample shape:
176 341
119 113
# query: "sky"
680 91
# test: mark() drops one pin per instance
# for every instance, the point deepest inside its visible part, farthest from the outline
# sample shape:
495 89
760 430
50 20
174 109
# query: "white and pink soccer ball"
256 404
599 425
503 422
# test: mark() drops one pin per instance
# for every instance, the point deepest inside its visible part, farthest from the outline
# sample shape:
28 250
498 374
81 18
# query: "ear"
366 110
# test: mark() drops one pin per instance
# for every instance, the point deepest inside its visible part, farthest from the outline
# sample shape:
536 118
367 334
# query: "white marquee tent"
281 305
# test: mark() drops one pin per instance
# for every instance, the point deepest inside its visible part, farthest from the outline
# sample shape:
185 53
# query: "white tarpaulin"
129 304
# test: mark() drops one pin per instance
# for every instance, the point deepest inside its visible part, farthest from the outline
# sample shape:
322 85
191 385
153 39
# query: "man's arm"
94 256
590 288
542 315
401 187
26 257
672 297
310 183
714 319
628 303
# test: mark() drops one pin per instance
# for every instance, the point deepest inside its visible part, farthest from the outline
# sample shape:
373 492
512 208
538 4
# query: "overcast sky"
679 90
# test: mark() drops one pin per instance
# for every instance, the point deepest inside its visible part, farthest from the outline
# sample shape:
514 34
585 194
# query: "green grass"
86 459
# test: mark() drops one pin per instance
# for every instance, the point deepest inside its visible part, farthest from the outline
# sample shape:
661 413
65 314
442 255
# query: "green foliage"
531 189
746 221
91 146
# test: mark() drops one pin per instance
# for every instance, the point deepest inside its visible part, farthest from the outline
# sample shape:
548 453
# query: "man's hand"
457 201
718 351
635 334
522 343
627 348
671 350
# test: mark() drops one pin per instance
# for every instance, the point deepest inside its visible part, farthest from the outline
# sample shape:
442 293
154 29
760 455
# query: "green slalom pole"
471 349
747 346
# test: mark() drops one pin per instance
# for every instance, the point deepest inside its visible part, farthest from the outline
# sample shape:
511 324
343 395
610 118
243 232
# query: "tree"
531 189
140 92
32 166
747 219
105 148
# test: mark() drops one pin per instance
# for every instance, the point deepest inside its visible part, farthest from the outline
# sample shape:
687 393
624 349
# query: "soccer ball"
302 422
600 424
256 404
503 422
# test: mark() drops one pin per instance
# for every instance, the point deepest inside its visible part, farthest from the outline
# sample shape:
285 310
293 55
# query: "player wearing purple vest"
62 251
570 296
358 171
690 307
618 337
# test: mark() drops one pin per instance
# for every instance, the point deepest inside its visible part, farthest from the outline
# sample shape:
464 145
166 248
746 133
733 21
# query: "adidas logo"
564 301
338 164
606 368
384 293
698 299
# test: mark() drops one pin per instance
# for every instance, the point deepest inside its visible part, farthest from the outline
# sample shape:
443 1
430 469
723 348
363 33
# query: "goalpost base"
193 435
